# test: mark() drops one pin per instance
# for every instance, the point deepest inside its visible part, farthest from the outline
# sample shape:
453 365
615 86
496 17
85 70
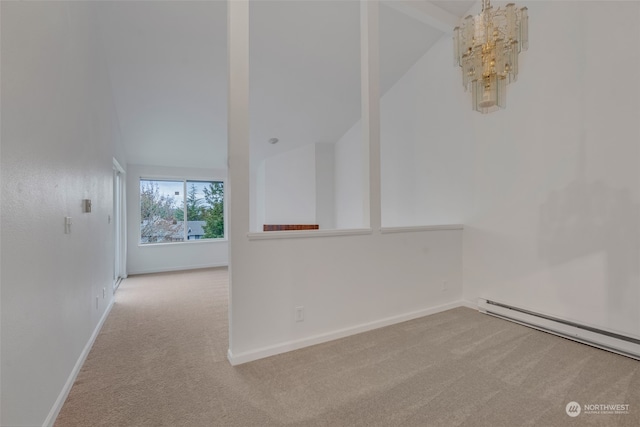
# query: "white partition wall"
346 281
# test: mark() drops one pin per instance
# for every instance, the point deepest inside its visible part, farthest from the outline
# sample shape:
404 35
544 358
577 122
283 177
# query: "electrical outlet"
97 301
104 293
445 285
300 314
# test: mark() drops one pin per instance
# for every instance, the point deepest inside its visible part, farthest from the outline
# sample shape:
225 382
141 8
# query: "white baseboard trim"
183 268
260 353
57 406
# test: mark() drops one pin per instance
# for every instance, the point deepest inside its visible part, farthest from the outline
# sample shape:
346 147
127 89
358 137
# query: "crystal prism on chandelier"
486 47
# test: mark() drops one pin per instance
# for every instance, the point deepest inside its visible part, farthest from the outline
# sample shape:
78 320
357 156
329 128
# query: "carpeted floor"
160 360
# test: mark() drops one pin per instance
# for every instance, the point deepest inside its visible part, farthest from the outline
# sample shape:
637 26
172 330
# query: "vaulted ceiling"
168 70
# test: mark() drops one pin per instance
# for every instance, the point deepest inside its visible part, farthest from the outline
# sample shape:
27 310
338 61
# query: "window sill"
293 234
190 242
418 228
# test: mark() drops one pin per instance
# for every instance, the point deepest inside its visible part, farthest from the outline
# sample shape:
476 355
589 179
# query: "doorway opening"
119 228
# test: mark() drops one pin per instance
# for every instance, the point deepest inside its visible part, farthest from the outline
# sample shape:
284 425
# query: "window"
178 211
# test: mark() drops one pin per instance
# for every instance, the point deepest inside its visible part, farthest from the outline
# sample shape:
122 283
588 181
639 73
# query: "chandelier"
486 47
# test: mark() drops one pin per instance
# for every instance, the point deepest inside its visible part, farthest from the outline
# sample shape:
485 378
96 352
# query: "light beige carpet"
160 360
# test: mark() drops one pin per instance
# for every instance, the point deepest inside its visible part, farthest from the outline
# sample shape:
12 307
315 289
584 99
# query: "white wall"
151 258
424 147
349 179
555 221
425 139
59 136
258 194
296 187
290 187
325 200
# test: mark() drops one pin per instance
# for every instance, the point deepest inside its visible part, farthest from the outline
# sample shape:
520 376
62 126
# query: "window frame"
185 181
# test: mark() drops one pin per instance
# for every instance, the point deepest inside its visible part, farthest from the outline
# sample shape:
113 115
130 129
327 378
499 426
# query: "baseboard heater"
606 340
